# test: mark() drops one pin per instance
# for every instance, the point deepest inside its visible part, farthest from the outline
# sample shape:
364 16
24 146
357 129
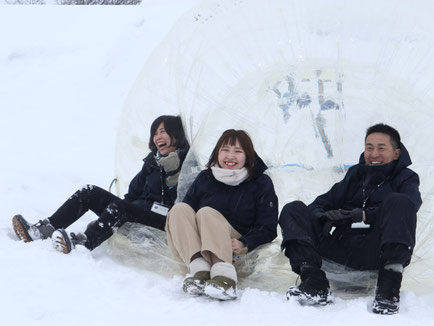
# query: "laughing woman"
150 194
231 207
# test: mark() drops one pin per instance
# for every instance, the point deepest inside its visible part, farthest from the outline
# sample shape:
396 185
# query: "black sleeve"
265 228
409 187
192 198
137 184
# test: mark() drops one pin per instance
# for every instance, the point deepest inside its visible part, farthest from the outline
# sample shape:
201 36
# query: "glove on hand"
170 162
339 217
334 215
356 214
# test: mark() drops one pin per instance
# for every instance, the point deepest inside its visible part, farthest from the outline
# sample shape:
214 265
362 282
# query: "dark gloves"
339 217
171 164
356 214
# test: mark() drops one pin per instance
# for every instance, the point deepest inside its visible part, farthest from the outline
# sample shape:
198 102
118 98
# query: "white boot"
200 271
223 283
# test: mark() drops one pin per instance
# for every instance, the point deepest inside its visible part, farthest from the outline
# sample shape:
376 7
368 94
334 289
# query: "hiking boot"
28 232
221 288
314 288
195 284
386 301
65 243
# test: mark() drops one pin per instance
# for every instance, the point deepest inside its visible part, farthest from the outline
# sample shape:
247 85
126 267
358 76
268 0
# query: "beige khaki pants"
206 231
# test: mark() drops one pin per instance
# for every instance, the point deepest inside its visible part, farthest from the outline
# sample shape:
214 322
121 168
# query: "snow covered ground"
64 75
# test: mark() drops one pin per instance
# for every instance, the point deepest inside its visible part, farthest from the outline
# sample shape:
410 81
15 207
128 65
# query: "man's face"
379 150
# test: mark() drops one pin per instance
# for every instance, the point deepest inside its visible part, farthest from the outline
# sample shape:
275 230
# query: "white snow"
64 75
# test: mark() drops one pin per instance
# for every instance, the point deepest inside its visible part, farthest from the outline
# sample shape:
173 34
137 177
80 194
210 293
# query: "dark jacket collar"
150 160
260 167
394 167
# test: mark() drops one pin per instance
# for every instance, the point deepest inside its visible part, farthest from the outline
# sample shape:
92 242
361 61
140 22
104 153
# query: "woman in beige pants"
230 208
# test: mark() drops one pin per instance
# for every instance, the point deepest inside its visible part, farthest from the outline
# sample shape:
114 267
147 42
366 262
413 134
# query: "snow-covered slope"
64 75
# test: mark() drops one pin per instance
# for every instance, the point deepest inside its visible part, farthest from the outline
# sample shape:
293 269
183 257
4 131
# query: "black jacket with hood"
250 208
149 185
378 182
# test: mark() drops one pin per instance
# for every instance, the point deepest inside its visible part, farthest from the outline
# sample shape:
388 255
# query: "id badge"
159 209
360 225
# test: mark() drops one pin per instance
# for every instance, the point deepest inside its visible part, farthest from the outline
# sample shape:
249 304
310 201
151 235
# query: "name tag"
360 225
159 209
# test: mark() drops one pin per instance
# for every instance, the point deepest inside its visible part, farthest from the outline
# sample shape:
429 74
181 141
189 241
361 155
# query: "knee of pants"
88 193
206 210
114 212
180 207
204 213
286 213
400 205
177 212
114 207
396 198
88 188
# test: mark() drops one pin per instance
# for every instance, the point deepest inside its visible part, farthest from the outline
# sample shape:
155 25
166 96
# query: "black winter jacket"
378 182
250 208
149 185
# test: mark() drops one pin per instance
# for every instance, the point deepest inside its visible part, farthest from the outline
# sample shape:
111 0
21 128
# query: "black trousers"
390 240
111 210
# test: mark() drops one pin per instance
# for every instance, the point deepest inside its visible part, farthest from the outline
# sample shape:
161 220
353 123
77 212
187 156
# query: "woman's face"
162 141
232 157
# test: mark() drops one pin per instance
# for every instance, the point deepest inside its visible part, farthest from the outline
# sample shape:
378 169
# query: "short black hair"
395 138
174 128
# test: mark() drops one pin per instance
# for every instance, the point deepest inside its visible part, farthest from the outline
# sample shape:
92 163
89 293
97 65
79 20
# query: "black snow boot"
314 288
30 232
65 243
386 301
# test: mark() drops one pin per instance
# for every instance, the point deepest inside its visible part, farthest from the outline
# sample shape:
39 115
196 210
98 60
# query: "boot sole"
308 300
193 288
385 309
61 241
217 292
20 230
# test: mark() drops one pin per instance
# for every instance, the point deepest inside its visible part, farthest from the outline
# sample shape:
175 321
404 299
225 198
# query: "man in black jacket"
382 195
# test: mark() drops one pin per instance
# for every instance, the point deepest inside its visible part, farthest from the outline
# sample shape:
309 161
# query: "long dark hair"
174 129
230 137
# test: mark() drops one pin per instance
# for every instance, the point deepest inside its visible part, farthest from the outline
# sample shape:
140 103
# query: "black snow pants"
390 240
111 210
